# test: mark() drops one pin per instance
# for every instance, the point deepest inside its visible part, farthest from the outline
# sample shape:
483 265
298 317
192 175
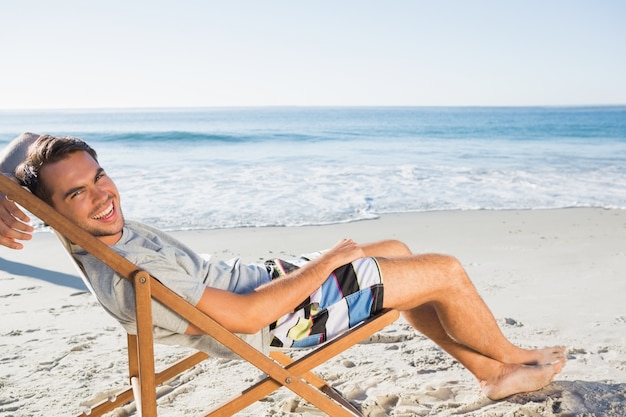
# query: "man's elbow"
249 325
237 313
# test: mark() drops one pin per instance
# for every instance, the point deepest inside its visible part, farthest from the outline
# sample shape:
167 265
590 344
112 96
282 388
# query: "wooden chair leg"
133 356
133 370
143 304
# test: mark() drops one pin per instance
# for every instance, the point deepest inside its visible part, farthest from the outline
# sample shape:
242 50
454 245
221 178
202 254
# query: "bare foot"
543 356
546 356
514 379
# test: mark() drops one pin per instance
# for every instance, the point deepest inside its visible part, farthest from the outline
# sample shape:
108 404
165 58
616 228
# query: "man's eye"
77 193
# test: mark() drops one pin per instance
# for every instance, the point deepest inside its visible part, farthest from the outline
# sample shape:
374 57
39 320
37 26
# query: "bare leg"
437 298
441 282
497 380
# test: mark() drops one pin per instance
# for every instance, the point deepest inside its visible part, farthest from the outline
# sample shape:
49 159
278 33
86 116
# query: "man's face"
81 191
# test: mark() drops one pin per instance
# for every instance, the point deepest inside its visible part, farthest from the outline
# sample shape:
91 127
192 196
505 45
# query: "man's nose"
99 194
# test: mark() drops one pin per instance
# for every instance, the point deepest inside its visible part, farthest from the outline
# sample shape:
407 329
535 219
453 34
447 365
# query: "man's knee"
386 249
453 270
447 269
393 248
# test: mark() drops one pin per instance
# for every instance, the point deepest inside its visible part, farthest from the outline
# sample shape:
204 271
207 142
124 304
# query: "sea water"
274 166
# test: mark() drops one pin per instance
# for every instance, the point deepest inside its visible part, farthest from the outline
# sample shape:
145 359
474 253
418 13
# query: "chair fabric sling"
281 372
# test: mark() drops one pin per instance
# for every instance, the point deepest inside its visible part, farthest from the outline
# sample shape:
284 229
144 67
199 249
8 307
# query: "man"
432 291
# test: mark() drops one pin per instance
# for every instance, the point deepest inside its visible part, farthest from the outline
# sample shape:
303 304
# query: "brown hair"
48 149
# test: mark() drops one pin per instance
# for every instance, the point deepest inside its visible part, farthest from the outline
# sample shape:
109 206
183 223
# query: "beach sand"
550 277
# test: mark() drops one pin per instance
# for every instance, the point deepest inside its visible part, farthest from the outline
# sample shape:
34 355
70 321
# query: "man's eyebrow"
72 191
80 187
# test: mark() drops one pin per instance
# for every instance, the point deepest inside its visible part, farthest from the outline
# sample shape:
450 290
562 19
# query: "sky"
190 53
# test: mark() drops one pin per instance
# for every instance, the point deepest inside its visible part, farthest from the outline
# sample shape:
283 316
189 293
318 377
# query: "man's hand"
344 252
13 224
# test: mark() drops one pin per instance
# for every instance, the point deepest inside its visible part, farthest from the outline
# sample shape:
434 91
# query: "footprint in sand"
48 365
381 407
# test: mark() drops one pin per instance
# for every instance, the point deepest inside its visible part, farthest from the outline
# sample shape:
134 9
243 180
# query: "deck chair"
280 369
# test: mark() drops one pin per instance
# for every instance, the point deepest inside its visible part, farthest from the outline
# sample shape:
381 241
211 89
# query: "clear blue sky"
136 53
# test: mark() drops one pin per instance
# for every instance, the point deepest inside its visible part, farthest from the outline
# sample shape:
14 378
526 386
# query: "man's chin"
107 234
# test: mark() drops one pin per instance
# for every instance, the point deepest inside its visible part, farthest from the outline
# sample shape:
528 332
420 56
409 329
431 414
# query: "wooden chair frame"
281 371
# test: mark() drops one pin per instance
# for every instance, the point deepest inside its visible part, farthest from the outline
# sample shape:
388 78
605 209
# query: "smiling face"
80 190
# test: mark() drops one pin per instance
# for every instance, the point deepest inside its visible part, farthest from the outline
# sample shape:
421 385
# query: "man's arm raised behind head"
13 221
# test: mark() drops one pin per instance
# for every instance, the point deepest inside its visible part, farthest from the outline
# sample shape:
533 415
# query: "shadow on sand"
578 398
54 277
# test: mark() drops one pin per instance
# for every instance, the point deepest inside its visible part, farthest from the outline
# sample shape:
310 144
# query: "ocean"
207 168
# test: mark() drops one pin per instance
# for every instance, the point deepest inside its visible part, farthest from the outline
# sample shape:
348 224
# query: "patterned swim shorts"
351 294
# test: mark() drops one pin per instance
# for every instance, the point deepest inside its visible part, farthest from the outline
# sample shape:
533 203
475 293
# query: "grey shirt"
178 268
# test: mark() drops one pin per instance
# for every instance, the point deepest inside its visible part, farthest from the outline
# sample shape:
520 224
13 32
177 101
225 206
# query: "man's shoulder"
137 233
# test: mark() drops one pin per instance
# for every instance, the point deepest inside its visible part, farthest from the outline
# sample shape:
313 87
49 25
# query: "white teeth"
104 212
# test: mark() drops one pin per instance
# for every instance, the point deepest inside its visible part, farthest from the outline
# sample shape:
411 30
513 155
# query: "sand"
550 277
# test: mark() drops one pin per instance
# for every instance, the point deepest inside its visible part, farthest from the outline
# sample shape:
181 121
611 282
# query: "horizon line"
95 108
